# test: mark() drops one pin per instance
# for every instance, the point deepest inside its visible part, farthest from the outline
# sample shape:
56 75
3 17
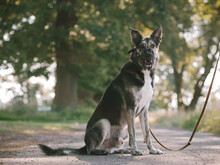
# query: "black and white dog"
127 97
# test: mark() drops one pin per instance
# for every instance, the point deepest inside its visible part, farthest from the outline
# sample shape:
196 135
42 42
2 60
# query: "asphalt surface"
21 148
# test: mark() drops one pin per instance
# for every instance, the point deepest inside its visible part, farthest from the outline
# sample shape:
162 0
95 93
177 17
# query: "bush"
209 123
190 120
28 113
170 119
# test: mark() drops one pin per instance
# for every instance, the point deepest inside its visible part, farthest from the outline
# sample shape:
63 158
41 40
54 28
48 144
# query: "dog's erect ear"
157 35
136 37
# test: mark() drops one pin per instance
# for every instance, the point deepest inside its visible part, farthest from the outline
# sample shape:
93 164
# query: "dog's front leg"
143 117
131 132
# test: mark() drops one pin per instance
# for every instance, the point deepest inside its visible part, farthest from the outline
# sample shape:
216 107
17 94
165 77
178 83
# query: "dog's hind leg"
96 135
143 117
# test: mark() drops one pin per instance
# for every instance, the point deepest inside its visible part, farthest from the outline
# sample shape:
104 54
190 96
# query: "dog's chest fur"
144 94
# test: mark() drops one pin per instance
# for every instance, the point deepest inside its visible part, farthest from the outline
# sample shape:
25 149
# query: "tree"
180 18
66 56
209 18
89 41
43 32
23 47
174 16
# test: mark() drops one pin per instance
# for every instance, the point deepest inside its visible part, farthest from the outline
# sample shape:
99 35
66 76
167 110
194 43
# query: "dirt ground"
19 147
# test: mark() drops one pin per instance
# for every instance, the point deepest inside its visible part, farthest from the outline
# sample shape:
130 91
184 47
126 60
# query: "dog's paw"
155 151
136 153
122 151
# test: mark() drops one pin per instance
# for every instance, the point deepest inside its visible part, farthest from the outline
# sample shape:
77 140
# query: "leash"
198 121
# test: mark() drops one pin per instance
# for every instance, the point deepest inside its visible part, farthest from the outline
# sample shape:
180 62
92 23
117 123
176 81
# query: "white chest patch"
144 94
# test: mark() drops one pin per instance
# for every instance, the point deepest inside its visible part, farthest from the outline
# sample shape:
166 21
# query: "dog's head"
145 54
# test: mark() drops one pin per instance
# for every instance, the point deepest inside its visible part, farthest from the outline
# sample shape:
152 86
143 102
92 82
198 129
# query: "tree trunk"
66 58
66 87
178 83
197 93
200 84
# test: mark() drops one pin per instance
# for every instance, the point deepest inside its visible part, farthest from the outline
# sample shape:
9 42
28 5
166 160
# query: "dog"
127 96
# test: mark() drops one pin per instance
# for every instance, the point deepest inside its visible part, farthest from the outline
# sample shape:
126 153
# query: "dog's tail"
62 151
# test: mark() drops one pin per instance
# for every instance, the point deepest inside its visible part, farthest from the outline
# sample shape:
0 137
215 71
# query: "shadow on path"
20 148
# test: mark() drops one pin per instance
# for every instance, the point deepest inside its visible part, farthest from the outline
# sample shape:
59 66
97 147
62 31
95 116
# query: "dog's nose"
150 51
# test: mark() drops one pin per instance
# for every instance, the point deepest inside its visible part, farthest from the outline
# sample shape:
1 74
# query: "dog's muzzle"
148 57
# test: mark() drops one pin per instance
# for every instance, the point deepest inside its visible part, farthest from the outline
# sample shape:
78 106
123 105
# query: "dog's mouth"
148 62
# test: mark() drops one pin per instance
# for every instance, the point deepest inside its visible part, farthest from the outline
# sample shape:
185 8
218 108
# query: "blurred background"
58 56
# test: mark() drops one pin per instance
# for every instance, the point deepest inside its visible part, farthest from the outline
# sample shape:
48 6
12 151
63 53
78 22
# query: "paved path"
21 148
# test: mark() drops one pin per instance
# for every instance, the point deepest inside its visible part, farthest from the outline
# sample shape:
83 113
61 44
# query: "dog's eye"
152 46
142 46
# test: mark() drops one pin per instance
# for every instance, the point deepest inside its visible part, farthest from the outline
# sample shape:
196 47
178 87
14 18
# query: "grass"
32 127
28 116
15 125
212 122
81 115
26 119
187 120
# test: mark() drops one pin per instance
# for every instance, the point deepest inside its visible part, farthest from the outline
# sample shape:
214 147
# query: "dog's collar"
132 50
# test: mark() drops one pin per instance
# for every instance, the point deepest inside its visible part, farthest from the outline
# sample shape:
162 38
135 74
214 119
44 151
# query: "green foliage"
28 113
187 120
170 119
97 40
211 122
28 126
